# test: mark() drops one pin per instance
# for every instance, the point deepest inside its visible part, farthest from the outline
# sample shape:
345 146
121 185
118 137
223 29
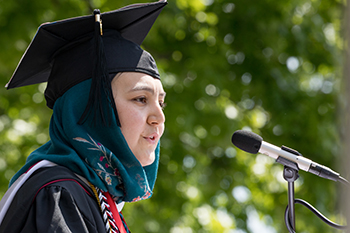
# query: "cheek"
161 129
131 124
127 115
131 118
130 133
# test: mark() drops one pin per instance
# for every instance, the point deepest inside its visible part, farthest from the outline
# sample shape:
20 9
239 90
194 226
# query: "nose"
156 115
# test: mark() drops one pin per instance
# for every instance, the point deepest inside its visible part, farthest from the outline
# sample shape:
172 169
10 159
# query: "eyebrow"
148 89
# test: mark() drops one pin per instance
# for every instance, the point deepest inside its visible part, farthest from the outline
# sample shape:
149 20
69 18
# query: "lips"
152 138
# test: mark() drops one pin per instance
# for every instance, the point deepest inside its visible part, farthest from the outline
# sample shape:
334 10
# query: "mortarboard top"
67 52
133 22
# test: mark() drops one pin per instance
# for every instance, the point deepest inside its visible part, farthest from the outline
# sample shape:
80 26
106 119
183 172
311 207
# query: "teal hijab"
98 153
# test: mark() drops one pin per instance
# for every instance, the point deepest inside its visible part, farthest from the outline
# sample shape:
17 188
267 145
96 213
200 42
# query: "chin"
145 161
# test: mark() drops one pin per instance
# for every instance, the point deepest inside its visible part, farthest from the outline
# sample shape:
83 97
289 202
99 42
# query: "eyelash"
144 100
162 105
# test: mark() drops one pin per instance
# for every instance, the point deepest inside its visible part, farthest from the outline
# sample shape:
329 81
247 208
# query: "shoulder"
55 190
58 184
57 176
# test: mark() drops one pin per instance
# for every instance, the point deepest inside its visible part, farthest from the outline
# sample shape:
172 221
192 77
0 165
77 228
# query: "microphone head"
247 141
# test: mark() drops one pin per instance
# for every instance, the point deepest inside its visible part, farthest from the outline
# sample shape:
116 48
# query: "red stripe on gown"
115 212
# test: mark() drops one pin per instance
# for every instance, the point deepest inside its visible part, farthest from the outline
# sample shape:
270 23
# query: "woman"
107 101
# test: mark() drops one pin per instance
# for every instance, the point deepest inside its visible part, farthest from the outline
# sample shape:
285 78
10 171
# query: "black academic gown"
53 200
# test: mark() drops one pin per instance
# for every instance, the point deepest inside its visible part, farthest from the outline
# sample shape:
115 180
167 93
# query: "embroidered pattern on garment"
105 168
107 214
110 225
123 177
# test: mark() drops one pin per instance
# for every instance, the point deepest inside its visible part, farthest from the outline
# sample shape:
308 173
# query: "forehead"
129 81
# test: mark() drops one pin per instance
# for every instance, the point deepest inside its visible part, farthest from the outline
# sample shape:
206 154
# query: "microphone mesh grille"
247 141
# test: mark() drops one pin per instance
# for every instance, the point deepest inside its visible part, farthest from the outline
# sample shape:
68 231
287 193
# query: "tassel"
100 82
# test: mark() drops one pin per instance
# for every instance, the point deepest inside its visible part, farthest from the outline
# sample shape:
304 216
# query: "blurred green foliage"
273 67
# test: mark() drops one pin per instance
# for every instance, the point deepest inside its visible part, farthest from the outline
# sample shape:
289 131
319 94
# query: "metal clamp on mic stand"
291 174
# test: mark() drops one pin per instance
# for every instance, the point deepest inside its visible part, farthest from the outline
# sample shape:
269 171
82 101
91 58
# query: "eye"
141 99
162 104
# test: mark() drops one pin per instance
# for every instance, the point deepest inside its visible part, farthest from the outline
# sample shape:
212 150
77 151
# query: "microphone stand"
291 174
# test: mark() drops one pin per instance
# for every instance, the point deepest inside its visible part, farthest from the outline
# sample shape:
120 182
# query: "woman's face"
139 99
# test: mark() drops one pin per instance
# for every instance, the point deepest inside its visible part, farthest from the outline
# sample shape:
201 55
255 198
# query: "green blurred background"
270 66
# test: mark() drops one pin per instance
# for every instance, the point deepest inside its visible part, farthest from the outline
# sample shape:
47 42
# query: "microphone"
253 143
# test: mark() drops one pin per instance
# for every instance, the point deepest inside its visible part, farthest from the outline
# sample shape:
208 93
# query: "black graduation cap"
133 22
67 52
